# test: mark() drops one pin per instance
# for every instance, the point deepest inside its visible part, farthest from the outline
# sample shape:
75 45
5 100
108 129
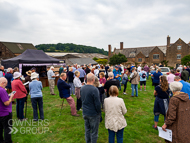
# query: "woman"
178 73
70 78
77 83
20 95
35 88
96 71
125 80
102 69
102 79
114 115
162 99
178 115
156 76
28 79
100 88
170 77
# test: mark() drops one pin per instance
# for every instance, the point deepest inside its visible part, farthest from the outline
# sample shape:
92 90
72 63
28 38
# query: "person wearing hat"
35 88
28 79
51 80
33 69
20 94
9 77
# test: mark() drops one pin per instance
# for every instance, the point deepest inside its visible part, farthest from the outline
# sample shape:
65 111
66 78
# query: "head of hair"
9 69
90 77
178 70
76 73
133 68
172 71
96 82
110 74
70 68
102 66
15 69
102 74
96 67
63 74
142 68
176 86
164 83
113 91
177 78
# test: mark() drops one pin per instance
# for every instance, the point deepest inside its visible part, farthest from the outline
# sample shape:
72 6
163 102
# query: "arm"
155 93
65 85
97 101
7 103
123 107
22 88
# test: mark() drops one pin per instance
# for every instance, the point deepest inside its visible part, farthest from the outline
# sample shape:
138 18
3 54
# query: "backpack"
143 75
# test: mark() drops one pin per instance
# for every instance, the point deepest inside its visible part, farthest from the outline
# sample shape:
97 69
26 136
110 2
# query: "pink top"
102 80
170 78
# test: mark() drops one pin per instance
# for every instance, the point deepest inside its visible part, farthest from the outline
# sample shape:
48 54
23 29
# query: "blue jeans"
134 87
20 107
119 135
147 75
37 101
72 89
91 128
156 118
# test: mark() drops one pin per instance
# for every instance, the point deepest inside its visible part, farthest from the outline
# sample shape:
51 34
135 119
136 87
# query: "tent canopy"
30 56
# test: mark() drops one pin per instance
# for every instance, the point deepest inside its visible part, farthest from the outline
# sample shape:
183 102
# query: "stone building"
171 52
10 49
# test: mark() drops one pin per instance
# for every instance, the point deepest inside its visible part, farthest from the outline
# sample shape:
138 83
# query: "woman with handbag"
125 80
161 93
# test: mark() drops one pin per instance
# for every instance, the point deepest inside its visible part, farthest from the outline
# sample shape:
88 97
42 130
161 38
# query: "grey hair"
176 86
9 69
90 77
96 83
110 74
177 78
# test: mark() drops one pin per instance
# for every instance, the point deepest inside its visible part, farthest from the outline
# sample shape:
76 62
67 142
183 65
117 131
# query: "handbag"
133 78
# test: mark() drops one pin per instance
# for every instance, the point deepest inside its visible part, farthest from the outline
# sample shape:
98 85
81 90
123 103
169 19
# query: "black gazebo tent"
30 57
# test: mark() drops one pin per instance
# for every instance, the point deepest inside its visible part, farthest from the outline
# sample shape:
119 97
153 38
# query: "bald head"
3 82
90 78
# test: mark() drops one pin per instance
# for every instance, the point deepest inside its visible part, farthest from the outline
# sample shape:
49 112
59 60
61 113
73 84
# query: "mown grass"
69 129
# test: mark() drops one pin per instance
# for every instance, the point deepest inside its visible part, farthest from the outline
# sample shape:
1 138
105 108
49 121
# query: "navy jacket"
64 88
9 78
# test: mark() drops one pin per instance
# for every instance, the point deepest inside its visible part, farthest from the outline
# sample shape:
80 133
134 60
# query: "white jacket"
114 113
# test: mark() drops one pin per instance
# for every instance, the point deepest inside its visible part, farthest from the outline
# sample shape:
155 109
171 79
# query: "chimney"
168 41
121 45
109 50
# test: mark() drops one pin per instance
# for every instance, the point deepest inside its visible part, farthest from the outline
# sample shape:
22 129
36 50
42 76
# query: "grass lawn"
69 129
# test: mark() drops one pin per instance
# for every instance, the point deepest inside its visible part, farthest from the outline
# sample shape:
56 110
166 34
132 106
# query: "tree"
95 59
186 60
102 61
164 62
117 59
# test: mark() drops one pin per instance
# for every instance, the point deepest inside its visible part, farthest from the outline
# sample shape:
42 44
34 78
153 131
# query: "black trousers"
79 103
37 101
125 86
5 123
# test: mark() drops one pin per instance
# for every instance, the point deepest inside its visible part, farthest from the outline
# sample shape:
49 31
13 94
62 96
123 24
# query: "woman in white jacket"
114 115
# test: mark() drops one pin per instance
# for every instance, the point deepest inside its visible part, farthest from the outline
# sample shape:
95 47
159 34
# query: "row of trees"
70 47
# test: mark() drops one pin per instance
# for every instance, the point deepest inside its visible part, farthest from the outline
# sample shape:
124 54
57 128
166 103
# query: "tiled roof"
82 61
18 48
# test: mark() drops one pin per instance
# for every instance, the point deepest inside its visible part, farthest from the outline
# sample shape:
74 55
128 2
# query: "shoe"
145 90
76 115
124 93
53 94
156 128
140 90
132 96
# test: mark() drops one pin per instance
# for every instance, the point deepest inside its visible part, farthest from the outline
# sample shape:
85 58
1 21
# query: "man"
143 75
160 65
33 69
139 69
64 92
146 69
117 75
134 77
87 70
60 70
1 70
51 80
9 77
111 81
180 68
82 74
91 109
5 112
186 85
184 75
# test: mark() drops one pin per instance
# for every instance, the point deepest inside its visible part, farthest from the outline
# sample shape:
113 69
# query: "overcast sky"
96 23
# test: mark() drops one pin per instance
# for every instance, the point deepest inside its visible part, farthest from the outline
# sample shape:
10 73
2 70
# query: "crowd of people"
96 88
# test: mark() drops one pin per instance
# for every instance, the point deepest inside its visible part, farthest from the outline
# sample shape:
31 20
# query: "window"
20 46
132 54
139 59
179 47
178 56
156 56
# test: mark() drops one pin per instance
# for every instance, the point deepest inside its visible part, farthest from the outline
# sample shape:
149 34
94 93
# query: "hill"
70 47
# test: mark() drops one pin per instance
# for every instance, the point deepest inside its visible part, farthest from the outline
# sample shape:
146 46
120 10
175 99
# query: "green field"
69 129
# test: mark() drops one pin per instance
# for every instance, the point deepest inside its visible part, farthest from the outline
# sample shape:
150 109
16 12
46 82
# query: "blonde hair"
96 82
113 91
70 68
76 73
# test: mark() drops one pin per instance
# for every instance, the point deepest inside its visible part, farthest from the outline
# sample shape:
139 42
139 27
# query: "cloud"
95 23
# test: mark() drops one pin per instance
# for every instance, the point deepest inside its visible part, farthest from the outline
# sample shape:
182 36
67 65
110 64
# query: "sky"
96 23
